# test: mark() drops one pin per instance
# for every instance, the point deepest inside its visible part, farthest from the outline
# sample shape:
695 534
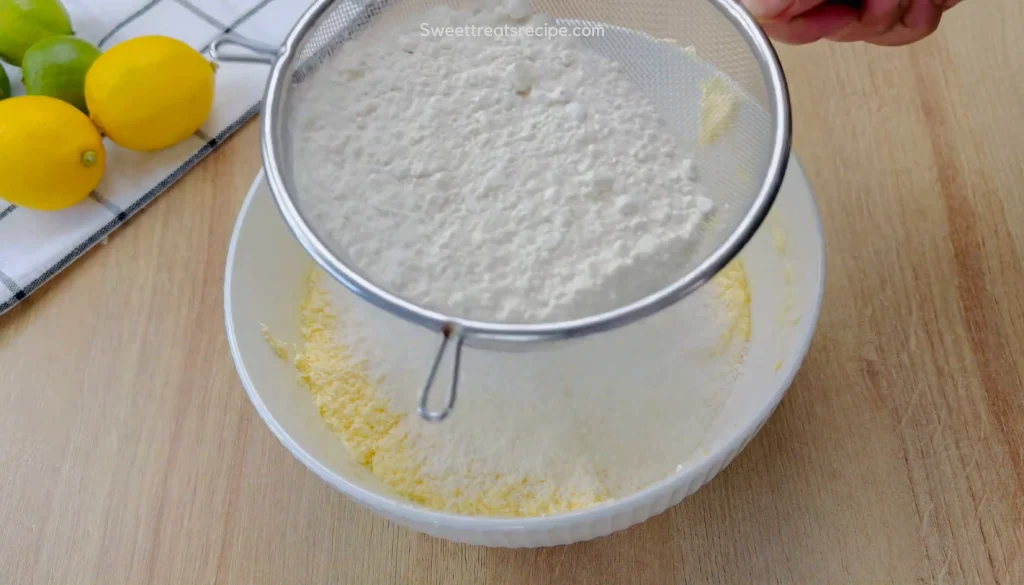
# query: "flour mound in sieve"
503 178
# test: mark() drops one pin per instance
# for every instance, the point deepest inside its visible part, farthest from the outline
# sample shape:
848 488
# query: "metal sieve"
671 49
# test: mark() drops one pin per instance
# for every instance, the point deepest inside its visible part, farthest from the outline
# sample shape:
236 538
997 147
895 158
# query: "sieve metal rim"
494 335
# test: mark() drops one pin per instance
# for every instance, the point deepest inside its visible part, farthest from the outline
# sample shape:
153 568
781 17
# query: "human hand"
880 22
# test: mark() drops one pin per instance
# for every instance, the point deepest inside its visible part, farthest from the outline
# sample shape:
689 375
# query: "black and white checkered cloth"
34 246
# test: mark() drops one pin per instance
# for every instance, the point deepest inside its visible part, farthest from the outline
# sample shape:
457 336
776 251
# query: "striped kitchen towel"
34 246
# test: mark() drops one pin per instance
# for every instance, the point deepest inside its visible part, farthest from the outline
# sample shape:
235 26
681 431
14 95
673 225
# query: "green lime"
56 67
24 22
5 85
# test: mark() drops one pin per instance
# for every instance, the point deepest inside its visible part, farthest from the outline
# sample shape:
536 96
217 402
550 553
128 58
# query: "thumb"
823 21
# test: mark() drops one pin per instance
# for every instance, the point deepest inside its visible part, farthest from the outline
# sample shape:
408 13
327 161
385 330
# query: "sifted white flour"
511 178
534 433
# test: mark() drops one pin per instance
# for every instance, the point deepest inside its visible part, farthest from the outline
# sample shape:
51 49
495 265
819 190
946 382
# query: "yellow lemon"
150 92
51 155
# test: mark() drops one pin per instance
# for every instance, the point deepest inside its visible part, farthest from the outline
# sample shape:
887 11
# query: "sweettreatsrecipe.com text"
546 31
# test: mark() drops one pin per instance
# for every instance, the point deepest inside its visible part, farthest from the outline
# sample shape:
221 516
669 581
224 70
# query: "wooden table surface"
130 453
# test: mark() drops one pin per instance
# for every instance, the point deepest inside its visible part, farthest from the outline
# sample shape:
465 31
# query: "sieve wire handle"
439 415
262 52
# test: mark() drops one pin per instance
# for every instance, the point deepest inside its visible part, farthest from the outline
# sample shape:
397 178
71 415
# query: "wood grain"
131 454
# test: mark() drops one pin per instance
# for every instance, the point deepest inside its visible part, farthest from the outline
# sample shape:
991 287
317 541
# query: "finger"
877 17
815 24
781 10
920 20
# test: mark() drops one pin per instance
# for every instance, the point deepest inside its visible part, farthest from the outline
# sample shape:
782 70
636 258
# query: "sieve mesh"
740 170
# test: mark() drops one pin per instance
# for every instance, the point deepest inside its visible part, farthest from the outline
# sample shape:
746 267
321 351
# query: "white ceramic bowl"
265 266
